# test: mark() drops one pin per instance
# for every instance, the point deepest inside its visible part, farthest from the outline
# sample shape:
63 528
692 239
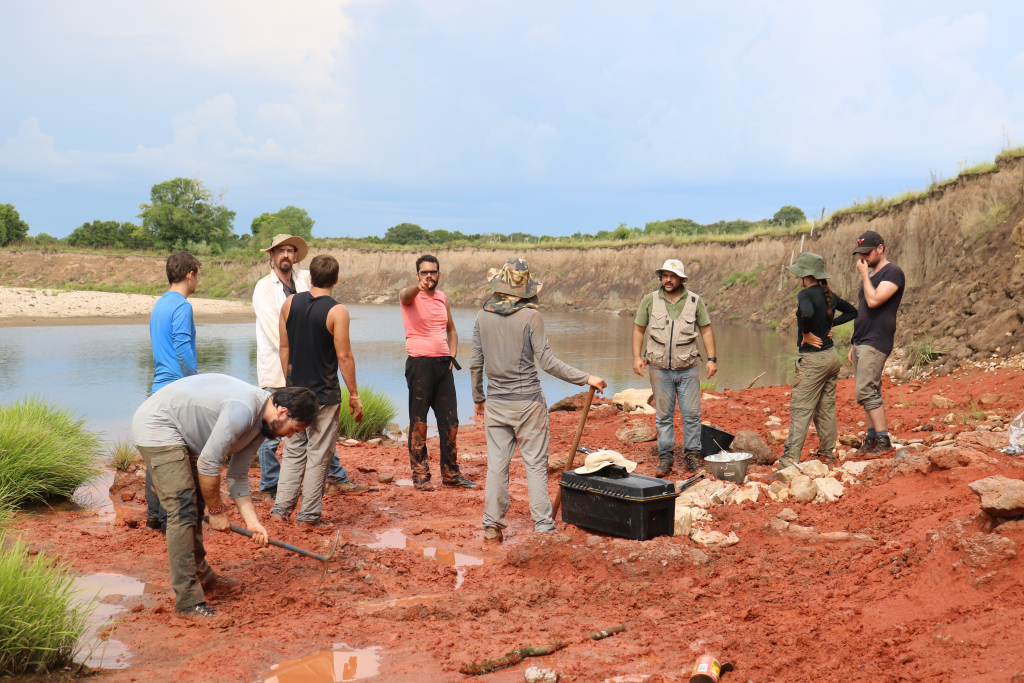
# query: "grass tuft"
43 622
45 452
122 454
378 411
708 385
920 354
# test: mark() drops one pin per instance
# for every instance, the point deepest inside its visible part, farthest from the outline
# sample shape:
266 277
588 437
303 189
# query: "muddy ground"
935 596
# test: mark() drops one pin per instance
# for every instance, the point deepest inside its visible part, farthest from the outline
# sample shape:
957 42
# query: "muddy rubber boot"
664 469
693 461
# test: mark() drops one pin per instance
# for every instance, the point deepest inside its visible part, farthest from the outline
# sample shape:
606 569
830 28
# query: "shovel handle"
572 449
272 541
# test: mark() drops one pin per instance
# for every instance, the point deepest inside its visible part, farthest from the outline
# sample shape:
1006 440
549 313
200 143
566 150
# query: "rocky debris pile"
785 524
809 482
978 551
1001 500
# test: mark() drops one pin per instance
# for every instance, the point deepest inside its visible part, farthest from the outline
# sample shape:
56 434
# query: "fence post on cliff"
792 256
802 243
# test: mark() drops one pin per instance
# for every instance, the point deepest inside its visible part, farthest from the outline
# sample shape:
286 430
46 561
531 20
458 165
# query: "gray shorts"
868 363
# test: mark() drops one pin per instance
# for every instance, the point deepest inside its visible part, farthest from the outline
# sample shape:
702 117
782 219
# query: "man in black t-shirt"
874 330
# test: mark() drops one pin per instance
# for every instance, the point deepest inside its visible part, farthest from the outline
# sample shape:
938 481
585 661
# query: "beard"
284 266
267 428
669 286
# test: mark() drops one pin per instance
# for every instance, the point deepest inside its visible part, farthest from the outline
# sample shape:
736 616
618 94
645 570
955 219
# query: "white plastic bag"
1016 434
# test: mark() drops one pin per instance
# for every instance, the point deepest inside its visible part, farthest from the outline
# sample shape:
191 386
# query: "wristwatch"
712 359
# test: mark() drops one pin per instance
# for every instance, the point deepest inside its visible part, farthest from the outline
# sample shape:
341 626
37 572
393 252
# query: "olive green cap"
810 264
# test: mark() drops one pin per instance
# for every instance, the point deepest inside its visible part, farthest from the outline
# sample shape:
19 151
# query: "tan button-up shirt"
267 299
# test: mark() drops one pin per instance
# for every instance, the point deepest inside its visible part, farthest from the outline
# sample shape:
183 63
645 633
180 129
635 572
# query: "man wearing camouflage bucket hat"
675 317
509 344
817 365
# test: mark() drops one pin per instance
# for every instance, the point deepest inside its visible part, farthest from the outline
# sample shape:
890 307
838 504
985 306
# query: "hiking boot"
492 534
200 611
664 469
693 461
459 480
278 518
882 444
154 524
424 485
345 487
868 444
270 494
310 524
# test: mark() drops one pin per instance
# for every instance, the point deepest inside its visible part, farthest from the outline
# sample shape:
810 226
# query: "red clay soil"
928 600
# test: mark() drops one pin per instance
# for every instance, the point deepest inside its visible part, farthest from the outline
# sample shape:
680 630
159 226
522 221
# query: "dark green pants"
175 479
814 396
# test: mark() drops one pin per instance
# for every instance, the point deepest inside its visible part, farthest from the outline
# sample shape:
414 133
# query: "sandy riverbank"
28 307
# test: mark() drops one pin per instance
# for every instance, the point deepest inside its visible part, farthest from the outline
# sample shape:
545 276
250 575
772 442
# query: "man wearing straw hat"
508 344
269 295
675 317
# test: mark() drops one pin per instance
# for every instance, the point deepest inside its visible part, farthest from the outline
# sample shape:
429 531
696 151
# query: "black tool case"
631 506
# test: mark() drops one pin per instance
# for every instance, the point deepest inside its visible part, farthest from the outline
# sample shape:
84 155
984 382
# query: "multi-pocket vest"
672 344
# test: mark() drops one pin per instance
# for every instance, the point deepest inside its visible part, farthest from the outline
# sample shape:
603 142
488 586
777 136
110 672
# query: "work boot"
423 485
664 469
492 534
345 487
217 581
882 444
459 480
693 461
198 612
270 493
278 518
868 444
312 524
155 524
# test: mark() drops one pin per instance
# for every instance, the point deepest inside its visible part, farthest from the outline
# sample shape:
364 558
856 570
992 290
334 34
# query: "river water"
104 372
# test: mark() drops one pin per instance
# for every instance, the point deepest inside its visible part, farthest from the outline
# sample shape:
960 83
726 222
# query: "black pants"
432 386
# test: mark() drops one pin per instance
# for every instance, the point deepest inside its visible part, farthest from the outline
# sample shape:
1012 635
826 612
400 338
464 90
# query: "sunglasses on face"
425 273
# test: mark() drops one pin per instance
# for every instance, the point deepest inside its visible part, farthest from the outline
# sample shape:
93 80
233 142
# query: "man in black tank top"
314 346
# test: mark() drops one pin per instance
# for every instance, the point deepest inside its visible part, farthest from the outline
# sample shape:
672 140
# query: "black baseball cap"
868 241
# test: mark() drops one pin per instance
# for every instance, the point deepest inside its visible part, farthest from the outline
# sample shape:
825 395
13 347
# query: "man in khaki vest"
674 316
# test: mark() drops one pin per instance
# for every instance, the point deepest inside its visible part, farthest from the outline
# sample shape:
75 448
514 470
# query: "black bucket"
714 440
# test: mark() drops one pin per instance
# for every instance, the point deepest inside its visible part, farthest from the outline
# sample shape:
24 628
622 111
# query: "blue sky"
543 117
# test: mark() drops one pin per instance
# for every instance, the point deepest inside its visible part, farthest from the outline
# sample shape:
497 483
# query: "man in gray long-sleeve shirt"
184 432
509 343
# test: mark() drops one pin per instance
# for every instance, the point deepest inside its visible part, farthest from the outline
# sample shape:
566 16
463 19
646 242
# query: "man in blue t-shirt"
172 333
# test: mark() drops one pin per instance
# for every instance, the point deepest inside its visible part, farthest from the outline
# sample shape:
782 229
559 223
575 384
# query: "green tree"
12 228
789 215
182 210
111 234
44 238
407 233
291 220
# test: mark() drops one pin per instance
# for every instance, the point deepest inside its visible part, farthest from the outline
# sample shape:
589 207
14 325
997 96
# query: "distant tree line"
183 214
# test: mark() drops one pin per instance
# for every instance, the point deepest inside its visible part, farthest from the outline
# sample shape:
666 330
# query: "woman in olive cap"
818 365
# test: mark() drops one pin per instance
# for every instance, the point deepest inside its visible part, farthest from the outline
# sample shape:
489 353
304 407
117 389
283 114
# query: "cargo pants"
175 480
508 424
304 463
813 397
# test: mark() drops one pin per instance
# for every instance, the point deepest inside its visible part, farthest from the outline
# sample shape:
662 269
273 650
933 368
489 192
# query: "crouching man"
184 432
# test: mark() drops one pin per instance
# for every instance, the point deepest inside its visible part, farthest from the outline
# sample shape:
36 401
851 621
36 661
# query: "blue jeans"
669 385
270 467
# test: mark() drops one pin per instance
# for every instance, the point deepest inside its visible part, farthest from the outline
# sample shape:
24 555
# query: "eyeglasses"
425 273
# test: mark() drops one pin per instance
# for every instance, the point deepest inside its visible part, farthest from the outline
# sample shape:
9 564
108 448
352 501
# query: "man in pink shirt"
432 343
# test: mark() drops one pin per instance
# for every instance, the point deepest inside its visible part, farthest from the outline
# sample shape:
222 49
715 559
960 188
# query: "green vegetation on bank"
122 455
378 411
45 452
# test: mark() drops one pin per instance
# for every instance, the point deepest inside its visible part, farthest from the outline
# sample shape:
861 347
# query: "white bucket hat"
673 266
598 460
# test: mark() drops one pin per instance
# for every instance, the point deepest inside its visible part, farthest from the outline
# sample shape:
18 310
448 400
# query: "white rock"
749 492
855 468
803 488
704 488
643 410
637 397
788 474
814 469
721 495
714 539
537 675
829 490
682 525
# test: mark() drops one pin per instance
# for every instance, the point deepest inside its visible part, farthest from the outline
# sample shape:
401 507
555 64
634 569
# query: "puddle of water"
110 653
341 663
394 538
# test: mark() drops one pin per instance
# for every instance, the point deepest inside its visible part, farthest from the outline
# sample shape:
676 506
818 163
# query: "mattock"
287 546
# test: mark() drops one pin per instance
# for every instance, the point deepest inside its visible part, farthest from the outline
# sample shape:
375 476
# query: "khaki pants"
868 363
175 478
813 397
304 463
508 424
